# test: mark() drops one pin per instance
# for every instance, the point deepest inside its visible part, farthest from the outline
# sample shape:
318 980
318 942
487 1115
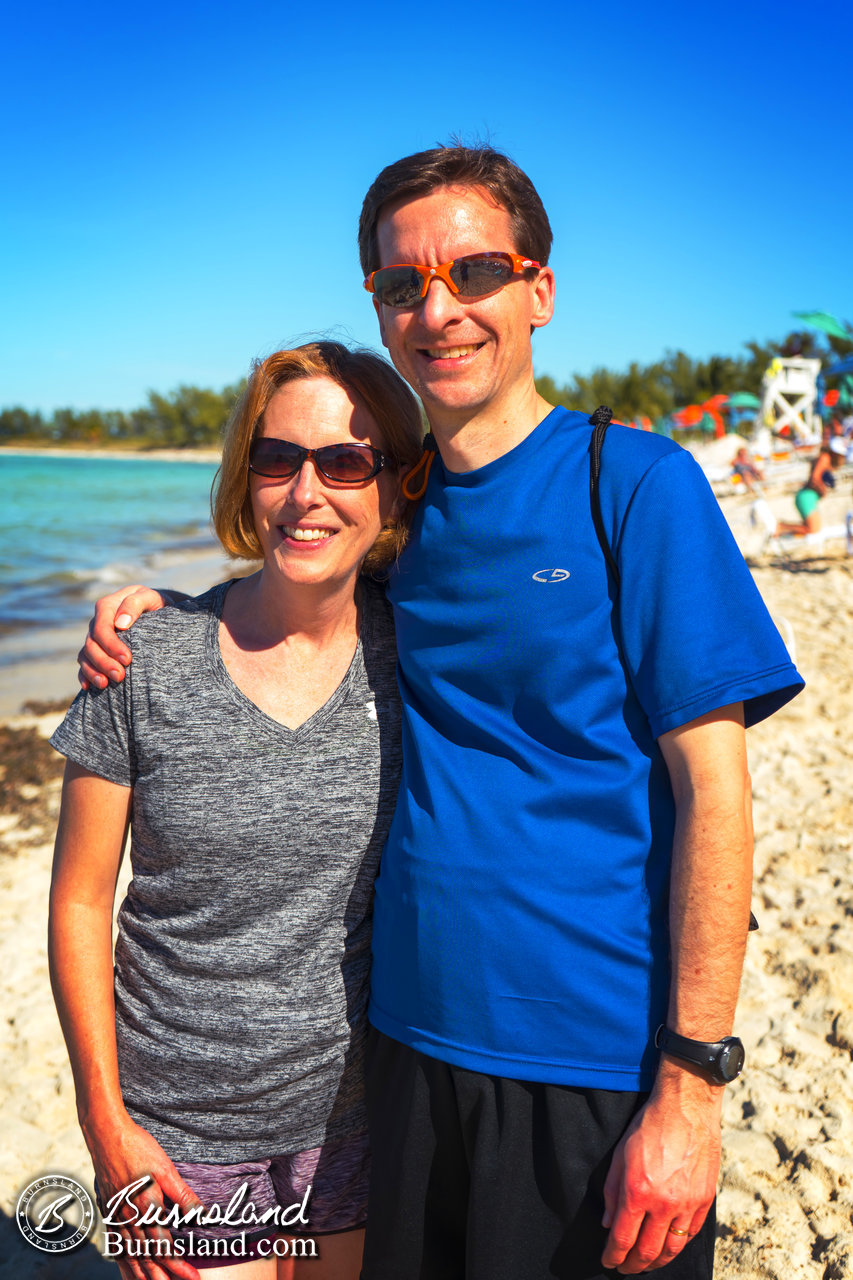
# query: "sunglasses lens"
347 463
398 286
343 463
474 275
278 458
481 273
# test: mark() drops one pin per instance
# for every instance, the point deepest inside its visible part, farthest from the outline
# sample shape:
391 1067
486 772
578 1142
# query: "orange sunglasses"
473 276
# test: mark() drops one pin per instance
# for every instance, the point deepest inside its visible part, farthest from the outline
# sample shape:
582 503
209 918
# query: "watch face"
731 1060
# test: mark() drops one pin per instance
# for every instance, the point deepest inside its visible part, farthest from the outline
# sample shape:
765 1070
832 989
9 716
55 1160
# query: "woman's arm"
819 470
92 828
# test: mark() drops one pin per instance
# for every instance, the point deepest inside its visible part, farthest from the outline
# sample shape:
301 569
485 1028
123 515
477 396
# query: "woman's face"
312 530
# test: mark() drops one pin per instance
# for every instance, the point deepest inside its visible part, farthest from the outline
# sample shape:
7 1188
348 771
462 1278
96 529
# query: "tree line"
657 389
190 417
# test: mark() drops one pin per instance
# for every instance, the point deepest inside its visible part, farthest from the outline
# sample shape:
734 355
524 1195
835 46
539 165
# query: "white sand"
148 455
787 1200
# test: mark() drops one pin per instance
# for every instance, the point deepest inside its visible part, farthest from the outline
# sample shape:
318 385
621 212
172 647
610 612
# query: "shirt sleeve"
696 633
97 732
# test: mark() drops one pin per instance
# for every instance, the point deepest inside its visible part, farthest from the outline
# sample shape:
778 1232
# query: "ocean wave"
61 596
72 529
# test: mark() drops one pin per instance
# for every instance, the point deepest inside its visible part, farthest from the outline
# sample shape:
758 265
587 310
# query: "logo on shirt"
551 575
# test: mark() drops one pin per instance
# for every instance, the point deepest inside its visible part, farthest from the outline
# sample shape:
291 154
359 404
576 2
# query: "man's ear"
543 298
377 305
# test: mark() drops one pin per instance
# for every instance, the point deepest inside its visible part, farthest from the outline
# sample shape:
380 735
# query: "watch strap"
703 1054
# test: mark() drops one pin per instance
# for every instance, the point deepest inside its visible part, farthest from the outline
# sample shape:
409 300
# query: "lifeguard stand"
789 393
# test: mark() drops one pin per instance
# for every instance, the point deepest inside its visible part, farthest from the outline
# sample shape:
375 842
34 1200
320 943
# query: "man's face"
460 355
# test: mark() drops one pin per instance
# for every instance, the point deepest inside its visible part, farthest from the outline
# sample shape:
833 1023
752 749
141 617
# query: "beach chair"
762 517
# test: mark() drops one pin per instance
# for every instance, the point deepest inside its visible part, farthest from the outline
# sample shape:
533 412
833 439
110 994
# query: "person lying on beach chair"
744 467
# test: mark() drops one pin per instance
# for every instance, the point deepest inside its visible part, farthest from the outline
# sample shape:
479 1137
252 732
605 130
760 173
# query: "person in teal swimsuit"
821 480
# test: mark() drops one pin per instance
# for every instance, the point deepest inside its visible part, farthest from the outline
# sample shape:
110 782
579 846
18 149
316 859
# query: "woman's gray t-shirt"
243 955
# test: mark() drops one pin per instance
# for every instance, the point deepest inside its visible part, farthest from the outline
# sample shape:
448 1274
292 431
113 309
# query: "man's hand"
103 656
664 1172
663 1176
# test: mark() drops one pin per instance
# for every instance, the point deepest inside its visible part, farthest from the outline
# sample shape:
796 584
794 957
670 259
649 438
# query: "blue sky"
183 181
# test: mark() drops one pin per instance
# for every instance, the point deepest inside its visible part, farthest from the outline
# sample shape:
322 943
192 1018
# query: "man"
569 864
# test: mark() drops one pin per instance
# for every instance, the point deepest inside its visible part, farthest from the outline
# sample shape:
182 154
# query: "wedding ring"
678 1231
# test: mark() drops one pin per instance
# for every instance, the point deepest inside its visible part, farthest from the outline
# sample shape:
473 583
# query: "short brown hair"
451 166
365 375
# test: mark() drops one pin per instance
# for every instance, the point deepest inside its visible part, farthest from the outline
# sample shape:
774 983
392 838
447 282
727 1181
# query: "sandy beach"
786 1201
148 455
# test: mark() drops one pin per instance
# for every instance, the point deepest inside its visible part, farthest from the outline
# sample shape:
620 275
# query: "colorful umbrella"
826 323
744 400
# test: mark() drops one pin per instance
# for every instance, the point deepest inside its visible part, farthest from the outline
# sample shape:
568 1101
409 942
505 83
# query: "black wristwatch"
720 1063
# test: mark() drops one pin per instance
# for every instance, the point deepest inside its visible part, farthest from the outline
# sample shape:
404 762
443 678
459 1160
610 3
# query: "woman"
254 748
821 479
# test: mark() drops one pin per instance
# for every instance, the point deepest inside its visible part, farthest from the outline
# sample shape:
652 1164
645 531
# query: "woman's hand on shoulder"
103 656
124 1154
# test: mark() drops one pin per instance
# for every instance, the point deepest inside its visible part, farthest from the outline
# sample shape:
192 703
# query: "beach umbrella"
744 400
826 323
845 393
691 416
711 409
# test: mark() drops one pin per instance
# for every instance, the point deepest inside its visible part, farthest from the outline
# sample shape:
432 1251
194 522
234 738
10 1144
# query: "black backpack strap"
600 421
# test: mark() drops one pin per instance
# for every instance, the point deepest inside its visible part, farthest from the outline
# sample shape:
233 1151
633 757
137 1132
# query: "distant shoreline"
137 455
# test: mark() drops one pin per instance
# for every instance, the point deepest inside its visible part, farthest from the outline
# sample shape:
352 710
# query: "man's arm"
103 656
664 1171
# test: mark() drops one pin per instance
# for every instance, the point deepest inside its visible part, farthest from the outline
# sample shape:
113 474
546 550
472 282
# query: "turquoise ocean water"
70 523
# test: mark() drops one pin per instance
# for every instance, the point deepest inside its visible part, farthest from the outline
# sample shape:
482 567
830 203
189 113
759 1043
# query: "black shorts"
476 1177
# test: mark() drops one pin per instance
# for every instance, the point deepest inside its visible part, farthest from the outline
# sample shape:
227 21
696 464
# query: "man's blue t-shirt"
521 908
